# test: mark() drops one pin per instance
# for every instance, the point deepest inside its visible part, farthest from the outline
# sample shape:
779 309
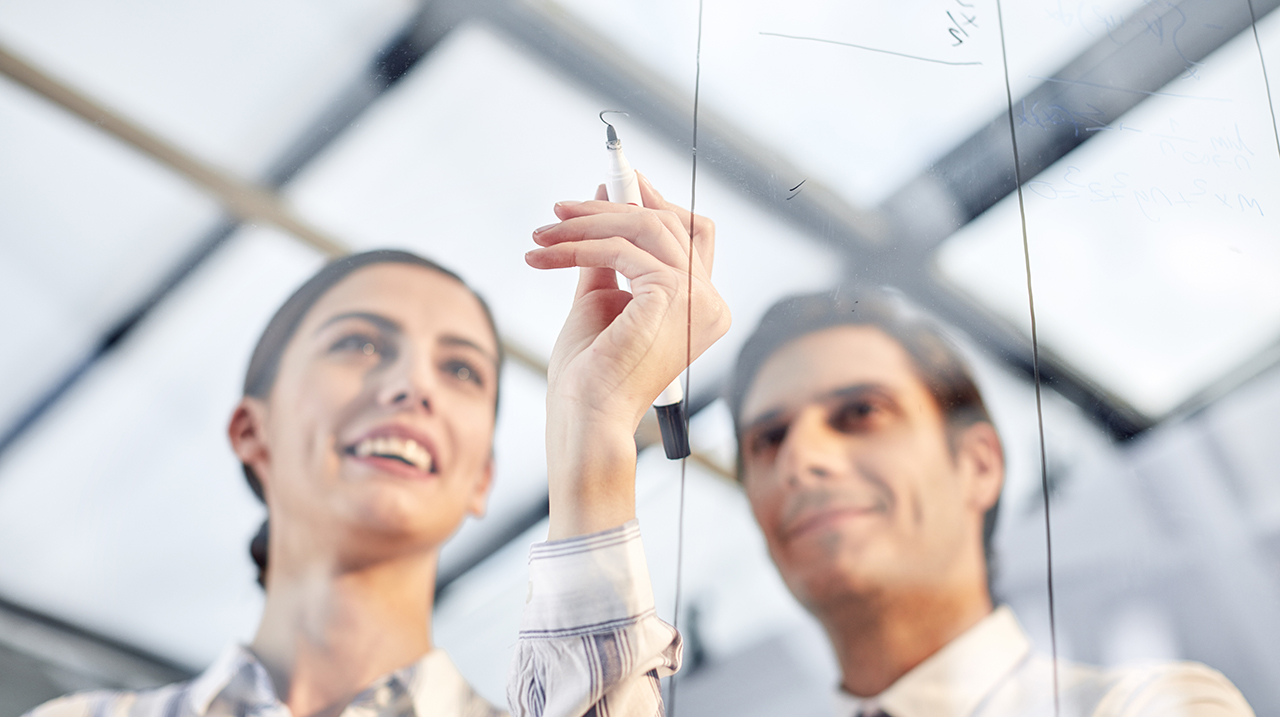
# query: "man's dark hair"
934 357
264 365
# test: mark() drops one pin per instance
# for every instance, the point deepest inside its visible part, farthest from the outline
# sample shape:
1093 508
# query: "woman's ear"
480 492
247 433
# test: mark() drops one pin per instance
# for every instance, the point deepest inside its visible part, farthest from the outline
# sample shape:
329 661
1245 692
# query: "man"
874 471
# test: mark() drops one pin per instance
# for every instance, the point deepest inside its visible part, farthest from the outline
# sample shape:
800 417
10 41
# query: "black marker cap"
675 430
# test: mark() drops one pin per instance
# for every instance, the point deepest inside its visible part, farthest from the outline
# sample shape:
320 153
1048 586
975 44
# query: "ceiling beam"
91 656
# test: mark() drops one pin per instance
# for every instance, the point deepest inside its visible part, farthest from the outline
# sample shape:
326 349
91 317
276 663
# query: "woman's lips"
397 449
393 466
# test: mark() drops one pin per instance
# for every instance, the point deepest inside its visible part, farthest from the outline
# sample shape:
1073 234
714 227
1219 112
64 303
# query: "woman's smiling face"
377 434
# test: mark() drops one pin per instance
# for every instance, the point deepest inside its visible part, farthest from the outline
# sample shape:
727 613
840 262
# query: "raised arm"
589 633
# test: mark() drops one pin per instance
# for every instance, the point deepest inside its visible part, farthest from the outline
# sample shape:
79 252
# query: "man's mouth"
822 519
395 448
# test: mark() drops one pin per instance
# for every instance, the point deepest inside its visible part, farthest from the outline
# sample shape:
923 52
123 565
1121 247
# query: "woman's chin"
396 519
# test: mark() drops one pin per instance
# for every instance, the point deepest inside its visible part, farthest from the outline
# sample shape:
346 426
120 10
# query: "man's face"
849 472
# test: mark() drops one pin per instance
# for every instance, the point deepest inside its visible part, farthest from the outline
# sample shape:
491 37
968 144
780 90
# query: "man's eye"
853 415
463 371
768 439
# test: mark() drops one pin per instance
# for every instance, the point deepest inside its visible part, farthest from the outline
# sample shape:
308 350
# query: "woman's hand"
618 350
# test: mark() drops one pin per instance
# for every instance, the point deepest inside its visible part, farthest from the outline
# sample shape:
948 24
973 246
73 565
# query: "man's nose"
408 383
812 450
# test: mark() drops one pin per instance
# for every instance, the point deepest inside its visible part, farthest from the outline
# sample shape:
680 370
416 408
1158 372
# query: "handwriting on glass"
961 22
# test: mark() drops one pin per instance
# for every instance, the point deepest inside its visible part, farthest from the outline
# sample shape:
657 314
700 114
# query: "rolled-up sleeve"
590 641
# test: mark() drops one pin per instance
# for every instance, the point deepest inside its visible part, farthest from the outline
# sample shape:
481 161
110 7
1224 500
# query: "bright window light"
87 228
234 82
467 155
1153 245
860 121
124 510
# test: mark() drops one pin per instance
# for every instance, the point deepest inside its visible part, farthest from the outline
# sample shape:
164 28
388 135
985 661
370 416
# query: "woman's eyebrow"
378 320
454 340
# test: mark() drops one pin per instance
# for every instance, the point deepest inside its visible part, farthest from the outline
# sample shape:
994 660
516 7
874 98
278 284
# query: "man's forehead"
818 363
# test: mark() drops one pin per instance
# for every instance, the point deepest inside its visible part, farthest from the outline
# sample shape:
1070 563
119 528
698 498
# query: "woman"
366 426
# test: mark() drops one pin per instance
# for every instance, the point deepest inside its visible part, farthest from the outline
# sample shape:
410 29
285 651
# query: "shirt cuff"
587 583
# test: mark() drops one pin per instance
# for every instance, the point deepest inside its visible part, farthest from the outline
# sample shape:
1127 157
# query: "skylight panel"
862 120
88 228
1153 246
124 510
234 82
468 153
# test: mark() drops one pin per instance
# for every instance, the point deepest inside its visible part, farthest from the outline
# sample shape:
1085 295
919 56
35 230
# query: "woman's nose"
407 384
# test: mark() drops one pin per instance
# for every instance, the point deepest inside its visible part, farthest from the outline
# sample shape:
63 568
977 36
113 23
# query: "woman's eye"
356 343
463 372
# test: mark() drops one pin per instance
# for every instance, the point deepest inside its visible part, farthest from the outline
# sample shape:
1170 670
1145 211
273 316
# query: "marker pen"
623 188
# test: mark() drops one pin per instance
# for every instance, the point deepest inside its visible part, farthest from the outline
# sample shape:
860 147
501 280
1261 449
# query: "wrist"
591 465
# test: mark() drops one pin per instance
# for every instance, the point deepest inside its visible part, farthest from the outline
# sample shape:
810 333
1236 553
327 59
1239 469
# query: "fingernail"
539 230
568 203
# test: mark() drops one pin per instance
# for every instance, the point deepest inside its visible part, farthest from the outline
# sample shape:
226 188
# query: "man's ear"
247 433
981 460
480 492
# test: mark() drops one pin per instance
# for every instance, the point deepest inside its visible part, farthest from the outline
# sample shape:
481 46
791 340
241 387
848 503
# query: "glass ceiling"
279 63
87 228
149 539
1160 230
521 138
821 104
122 509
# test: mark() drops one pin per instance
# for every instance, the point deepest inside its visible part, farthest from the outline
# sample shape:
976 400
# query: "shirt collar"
953 681
437 686
432 683
236 669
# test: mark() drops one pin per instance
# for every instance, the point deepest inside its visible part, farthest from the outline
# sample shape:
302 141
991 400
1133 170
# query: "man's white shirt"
991 670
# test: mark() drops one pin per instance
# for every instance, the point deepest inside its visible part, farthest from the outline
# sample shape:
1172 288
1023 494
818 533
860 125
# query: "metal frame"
84 652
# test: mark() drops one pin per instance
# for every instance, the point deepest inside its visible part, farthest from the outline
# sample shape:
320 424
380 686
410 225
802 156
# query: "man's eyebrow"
455 340
378 320
855 390
763 419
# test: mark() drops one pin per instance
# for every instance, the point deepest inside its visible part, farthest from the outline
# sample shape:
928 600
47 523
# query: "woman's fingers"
612 252
590 280
644 228
570 209
703 230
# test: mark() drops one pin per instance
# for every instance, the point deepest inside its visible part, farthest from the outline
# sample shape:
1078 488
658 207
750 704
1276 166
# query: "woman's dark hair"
264 365
934 356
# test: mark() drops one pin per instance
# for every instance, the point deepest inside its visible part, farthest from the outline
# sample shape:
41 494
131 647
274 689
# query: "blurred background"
171 171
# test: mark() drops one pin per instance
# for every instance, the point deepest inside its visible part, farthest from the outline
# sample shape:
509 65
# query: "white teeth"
394 446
